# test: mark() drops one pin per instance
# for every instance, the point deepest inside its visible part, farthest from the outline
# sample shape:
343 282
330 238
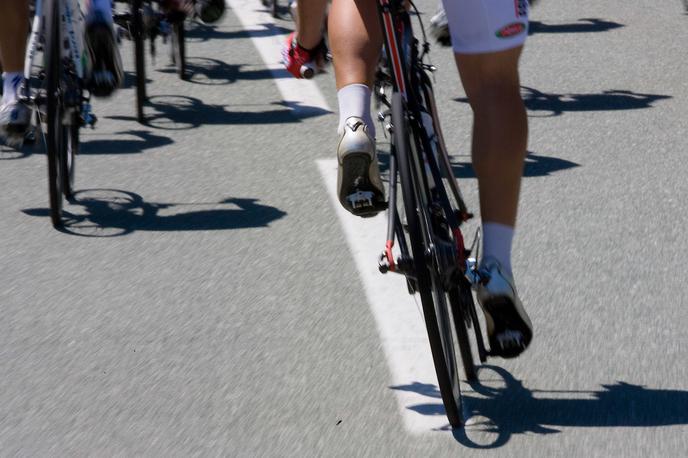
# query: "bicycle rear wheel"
436 313
179 48
461 301
68 157
139 57
56 131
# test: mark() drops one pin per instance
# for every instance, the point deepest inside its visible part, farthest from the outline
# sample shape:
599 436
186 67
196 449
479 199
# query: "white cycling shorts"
484 26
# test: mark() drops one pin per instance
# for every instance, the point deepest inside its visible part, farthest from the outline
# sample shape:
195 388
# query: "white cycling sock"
100 6
354 100
10 85
497 239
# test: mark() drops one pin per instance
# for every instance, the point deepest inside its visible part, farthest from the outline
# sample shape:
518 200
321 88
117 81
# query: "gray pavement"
203 300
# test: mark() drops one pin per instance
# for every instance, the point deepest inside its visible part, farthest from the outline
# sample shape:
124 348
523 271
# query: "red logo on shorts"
511 30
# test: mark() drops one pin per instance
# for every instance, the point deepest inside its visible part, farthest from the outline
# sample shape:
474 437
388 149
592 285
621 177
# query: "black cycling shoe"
106 65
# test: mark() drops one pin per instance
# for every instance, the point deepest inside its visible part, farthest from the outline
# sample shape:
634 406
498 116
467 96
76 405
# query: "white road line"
399 320
398 317
300 95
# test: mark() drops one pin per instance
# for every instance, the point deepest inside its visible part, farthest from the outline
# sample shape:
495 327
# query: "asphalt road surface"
207 298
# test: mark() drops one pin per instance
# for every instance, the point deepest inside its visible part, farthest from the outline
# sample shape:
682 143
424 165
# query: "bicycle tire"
179 48
139 57
461 313
448 382
55 129
460 296
68 158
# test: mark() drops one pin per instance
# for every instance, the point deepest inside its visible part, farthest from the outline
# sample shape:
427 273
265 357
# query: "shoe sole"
354 171
505 316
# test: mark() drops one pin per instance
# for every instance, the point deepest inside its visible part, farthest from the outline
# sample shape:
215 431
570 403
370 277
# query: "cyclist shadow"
199 32
500 412
584 25
535 165
558 104
177 112
113 212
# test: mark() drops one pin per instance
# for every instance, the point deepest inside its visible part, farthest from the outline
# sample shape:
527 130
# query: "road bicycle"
430 250
56 92
146 20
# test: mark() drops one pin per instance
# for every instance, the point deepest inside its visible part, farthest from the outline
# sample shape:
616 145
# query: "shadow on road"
558 104
535 165
586 25
199 32
177 112
112 212
511 408
213 72
146 140
130 80
92 146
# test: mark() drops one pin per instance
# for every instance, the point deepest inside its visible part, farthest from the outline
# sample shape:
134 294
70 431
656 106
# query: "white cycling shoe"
508 326
359 185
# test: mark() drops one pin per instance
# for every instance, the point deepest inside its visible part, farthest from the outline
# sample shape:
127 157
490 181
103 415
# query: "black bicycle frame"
408 76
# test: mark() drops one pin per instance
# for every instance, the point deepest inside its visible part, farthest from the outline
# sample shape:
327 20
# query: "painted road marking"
397 315
300 95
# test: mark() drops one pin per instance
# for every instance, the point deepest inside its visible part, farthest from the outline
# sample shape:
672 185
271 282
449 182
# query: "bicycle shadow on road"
584 25
177 112
113 212
494 414
144 140
207 71
558 104
129 81
90 145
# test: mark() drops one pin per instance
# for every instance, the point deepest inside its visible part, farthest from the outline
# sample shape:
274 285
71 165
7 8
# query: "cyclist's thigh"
486 26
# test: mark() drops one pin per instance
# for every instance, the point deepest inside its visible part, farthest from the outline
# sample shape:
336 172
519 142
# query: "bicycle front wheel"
55 138
436 313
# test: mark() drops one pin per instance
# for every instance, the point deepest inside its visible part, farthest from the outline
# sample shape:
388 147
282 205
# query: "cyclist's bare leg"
356 41
500 130
15 116
14 22
311 16
500 133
